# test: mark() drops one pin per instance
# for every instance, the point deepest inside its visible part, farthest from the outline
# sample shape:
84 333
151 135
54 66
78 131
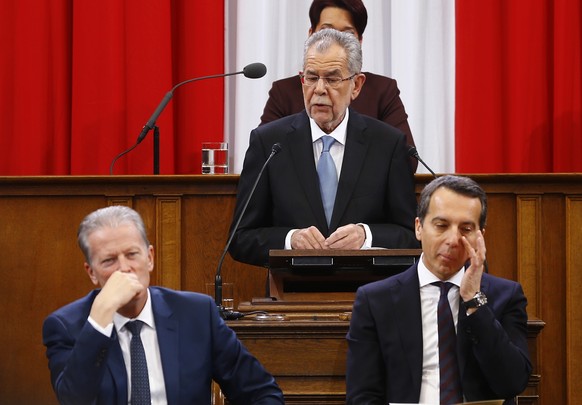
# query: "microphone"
252 71
230 315
414 153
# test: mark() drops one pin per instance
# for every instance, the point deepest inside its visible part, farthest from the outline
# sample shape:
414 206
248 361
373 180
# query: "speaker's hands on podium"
349 236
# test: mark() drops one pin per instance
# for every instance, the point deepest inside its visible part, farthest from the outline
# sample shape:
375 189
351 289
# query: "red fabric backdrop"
80 79
519 90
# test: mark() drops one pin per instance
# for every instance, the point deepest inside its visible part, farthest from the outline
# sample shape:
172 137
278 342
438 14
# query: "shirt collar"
339 134
425 277
146 315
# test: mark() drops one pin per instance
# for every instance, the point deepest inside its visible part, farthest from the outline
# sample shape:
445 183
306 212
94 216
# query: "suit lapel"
406 299
116 366
300 145
167 331
354 157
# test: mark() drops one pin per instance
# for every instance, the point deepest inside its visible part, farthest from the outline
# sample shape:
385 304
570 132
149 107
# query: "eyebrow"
442 219
335 72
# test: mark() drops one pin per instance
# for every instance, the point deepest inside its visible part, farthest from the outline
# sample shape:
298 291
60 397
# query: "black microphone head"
413 152
276 148
255 70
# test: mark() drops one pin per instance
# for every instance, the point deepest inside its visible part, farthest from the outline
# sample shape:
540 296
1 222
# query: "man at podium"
340 181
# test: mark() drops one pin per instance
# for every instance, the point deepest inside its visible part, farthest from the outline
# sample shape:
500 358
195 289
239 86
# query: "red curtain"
79 80
519 89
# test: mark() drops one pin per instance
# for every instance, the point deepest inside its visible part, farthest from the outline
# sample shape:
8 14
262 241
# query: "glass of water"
215 158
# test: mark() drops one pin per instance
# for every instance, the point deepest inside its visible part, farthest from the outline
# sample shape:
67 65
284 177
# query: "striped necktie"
450 379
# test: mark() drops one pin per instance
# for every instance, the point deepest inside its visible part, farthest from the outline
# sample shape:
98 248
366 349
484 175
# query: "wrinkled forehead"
333 59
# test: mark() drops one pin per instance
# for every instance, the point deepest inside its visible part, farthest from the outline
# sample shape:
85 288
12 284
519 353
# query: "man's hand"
349 236
119 290
308 238
471 282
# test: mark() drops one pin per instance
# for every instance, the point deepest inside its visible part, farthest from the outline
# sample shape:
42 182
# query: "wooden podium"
323 275
301 340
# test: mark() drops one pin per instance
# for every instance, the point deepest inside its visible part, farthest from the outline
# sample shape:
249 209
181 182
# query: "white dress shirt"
429 299
337 154
151 347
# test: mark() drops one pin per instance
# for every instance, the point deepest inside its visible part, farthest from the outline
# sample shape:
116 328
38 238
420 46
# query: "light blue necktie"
327 177
140 383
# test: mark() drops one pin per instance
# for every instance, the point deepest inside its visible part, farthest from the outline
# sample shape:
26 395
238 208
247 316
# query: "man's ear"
417 228
150 257
91 273
359 81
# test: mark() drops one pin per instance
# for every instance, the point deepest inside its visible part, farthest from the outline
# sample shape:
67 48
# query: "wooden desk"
307 354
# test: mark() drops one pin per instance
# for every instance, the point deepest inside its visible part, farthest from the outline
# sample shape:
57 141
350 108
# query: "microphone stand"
156 150
253 71
229 315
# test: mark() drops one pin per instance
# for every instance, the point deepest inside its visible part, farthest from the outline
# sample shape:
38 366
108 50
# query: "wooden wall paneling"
41 269
168 242
552 308
501 235
573 288
528 248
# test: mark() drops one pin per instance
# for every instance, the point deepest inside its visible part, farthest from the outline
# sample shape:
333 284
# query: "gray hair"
460 185
324 39
111 217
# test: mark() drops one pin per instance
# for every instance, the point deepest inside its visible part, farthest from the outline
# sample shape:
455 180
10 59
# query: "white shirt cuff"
104 330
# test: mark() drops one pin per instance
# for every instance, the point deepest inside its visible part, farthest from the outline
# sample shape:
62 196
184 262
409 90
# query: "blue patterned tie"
140 383
450 380
327 177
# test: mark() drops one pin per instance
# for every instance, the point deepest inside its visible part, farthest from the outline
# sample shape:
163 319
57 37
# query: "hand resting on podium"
349 236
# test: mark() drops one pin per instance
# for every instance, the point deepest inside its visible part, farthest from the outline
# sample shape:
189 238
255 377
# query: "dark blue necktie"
327 177
450 379
140 383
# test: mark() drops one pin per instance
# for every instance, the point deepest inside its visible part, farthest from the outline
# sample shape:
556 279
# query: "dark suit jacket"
196 346
379 98
384 362
376 187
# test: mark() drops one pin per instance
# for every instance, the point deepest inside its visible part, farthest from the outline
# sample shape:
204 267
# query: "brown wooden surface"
319 377
533 236
301 274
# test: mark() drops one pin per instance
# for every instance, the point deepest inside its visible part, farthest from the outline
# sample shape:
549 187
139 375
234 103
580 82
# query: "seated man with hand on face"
443 331
341 180
127 342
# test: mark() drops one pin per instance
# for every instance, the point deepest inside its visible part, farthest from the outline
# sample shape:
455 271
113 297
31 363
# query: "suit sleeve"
77 365
499 343
241 377
365 375
397 230
256 234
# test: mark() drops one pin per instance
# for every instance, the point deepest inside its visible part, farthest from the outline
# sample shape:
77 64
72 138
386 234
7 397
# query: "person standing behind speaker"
379 97
371 204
